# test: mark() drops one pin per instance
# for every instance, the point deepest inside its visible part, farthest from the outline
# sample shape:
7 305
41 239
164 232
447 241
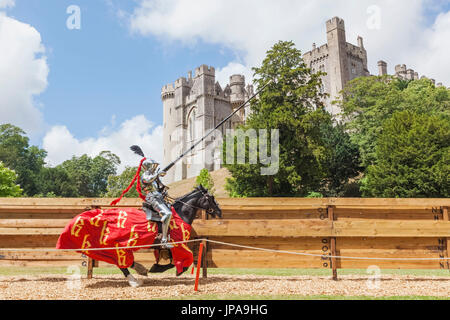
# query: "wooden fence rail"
327 229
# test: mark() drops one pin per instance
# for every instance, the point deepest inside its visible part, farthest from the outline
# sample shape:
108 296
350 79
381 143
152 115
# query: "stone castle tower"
192 107
340 60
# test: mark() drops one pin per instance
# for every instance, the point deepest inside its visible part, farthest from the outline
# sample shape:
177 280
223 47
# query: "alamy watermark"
74 280
241 147
73 22
375 277
374 20
257 151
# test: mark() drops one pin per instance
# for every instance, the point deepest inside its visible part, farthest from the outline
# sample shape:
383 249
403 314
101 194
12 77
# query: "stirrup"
166 245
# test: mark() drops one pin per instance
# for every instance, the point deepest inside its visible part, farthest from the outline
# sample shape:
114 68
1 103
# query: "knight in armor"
156 193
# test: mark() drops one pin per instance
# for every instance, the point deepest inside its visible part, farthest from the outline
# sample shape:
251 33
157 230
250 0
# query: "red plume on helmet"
138 151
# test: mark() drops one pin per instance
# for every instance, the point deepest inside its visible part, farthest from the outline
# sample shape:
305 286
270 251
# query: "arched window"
191 124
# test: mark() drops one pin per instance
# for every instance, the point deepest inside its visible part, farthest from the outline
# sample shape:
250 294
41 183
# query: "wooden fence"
326 229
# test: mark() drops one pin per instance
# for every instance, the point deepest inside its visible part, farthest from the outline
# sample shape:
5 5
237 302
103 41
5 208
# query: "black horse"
186 207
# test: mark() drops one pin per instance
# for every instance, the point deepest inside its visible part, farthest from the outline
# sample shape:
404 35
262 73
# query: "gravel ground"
55 287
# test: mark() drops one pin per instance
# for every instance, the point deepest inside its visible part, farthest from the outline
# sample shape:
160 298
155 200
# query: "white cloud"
7 4
433 57
61 145
251 27
23 73
223 74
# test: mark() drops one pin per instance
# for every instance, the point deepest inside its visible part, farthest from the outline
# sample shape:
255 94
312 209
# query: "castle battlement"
317 52
356 52
182 82
237 79
400 68
167 91
402 72
205 70
168 88
335 23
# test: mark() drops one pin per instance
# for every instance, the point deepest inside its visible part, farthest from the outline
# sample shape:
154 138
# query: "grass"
326 272
11 271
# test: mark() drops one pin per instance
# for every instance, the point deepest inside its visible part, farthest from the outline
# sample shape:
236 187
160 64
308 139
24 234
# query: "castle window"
353 68
192 124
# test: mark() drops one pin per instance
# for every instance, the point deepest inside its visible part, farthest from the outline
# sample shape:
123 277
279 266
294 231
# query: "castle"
196 104
193 106
340 60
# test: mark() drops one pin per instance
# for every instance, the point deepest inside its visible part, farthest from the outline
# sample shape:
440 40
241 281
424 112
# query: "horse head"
198 199
209 203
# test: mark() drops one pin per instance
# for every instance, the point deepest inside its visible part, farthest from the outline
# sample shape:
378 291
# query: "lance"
168 167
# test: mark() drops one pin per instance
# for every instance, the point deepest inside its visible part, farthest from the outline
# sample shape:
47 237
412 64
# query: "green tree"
369 101
341 163
205 179
8 186
55 182
27 161
412 158
293 104
118 183
89 175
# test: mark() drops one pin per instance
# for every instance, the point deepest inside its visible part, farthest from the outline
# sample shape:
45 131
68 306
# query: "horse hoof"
184 270
157 268
140 269
133 281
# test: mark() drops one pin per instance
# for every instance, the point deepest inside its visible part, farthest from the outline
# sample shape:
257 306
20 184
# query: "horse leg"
140 269
131 280
125 272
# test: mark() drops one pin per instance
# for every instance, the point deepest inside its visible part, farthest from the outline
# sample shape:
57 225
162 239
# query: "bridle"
207 197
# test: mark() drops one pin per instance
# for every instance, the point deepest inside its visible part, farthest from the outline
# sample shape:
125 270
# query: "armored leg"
165 226
166 214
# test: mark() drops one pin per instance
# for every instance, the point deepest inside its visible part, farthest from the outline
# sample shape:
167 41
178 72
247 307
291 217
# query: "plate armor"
155 206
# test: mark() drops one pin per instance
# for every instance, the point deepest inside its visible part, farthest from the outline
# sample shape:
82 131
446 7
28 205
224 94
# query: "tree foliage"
341 162
369 101
78 177
412 158
27 161
55 182
89 176
8 186
204 178
118 183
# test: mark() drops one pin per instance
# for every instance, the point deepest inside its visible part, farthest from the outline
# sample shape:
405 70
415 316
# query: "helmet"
150 166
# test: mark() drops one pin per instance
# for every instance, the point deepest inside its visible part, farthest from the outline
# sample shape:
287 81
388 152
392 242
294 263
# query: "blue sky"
103 69
83 91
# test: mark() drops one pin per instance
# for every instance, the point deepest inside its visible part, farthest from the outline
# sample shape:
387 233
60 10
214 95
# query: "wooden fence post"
205 250
446 217
90 268
91 262
333 244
